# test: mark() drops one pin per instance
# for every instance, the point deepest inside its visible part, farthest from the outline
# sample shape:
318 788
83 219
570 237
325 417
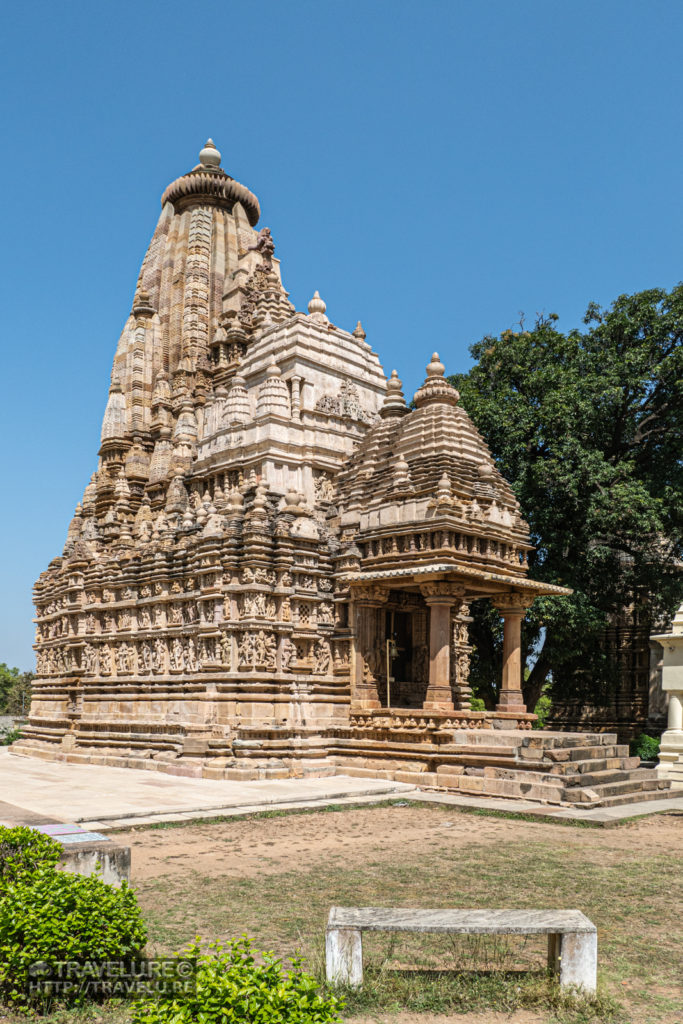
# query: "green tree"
15 690
588 428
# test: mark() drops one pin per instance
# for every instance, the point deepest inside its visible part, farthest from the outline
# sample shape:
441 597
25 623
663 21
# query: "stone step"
594 779
581 794
604 764
564 755
590 753
565 741
571 769
635 798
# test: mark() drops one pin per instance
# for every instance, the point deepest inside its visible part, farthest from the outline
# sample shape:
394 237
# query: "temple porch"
410 650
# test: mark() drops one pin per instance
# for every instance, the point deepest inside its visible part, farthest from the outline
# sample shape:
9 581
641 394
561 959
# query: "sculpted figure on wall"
90 659
158 655
246 650
323 657
288 654
145 657
177 655
190 655
226 650
105 659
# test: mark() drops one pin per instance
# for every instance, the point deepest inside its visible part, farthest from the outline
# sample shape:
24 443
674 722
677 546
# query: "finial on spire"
435 368
209 155
358 332
394 403
316 305
436 388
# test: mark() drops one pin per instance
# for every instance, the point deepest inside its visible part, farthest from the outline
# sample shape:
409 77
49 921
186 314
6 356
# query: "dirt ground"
248 847
277 875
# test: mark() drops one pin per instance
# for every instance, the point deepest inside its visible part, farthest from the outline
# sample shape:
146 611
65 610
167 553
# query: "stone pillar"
460 658
296 398
367 644
513 608
671 745
440 598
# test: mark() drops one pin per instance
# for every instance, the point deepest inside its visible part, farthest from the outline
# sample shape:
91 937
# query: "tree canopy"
588 428
15 690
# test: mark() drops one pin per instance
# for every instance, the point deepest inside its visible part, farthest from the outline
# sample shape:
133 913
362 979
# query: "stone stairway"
571 769
587 770
591 769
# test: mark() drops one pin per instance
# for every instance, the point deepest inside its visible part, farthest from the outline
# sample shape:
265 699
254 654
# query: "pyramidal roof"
435 438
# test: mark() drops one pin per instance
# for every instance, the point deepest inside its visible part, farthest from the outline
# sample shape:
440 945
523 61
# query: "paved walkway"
102 798
98 795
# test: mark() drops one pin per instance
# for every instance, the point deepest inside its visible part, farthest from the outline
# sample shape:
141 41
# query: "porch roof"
448 569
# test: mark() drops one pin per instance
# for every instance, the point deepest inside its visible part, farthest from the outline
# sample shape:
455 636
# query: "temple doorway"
403 691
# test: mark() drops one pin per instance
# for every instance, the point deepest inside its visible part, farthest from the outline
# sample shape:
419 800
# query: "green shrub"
645 747
23 851
231 987
52 915
542 709
10 737
477 704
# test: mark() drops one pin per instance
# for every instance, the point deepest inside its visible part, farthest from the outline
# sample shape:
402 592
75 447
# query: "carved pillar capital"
442 592
514 603
369 595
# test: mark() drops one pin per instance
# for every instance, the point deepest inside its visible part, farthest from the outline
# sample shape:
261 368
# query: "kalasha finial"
394 402
436 388
316 305
359 332
435 368
210 156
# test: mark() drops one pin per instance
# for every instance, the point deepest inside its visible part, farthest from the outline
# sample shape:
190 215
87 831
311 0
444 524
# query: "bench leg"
344 956
578 959
554 947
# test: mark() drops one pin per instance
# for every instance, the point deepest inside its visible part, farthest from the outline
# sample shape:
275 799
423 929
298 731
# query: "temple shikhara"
270 571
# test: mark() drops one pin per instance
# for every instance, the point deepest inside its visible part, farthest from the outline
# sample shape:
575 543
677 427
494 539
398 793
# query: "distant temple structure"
270 571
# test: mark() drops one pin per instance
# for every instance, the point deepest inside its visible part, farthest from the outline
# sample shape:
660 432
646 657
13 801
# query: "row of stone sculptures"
255 649
251 606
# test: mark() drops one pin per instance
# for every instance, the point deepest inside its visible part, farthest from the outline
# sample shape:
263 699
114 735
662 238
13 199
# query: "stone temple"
270 572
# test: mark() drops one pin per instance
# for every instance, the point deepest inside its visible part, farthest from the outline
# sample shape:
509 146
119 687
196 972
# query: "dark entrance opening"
399 628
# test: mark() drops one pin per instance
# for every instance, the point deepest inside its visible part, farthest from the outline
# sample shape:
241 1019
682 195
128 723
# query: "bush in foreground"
23 851
231 987
53 916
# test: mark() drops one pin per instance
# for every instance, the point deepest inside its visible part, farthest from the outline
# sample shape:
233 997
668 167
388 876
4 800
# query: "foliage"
9 737
15 690
477 704
588 427
231 987
52 916
645 747
24 851
542 710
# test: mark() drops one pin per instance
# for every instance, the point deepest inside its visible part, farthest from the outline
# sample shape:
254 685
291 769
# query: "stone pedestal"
671 746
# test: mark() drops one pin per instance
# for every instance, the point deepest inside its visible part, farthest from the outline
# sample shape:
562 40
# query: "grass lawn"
276 876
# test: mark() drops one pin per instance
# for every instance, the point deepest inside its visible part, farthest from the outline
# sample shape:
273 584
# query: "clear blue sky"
432 168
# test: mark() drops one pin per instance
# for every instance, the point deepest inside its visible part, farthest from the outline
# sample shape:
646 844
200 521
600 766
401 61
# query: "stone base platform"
470 754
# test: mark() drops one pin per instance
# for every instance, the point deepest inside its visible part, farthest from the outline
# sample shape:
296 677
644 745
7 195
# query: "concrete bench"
572 938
